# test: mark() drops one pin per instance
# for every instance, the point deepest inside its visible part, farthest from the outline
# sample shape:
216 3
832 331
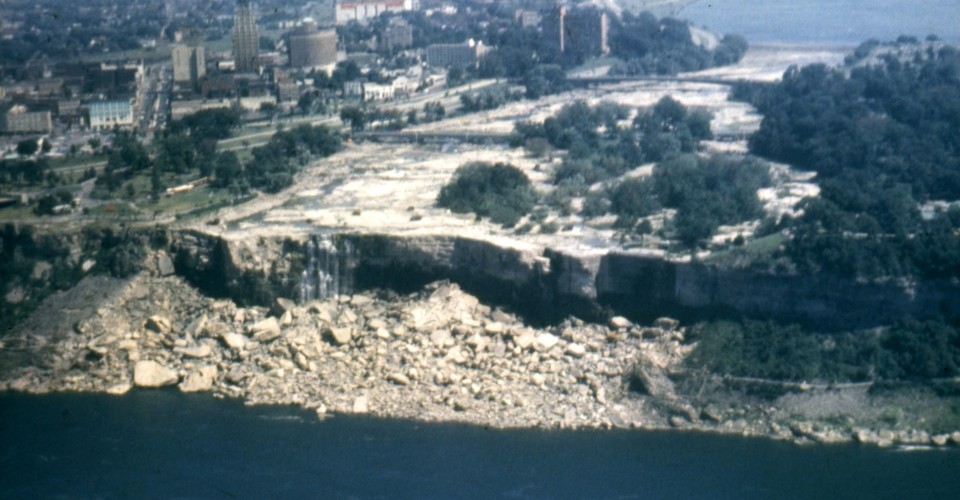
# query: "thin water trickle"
323 276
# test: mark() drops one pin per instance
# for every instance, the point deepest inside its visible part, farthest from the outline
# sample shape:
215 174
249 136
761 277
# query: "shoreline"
438 355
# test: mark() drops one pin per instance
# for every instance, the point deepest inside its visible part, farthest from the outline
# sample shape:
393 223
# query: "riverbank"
165 444
437 355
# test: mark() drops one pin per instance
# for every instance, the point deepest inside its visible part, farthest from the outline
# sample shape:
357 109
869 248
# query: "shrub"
499 191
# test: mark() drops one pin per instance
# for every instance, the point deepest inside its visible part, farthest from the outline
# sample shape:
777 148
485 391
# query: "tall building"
579 32
246 39
553 20
585 31
189 64
311 47
363 10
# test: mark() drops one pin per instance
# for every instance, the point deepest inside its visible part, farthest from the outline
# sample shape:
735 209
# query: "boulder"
478 342
265 330
361 405
399 379
545 342
234 341
525 340
619 323
164 264
159 324
575 350
199 380
441 338
119 389
153 374
666 323
341 335
493 328
199 351
282 306
360 300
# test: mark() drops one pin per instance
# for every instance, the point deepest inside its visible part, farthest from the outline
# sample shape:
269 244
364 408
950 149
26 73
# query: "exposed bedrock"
544 284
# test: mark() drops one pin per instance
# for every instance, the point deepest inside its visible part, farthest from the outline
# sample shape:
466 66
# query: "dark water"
162 444
828 22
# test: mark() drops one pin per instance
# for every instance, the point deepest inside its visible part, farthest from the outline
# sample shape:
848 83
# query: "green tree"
27 147
227 169
499 191
355 116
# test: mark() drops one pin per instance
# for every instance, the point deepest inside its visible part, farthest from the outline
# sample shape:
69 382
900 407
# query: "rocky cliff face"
645 287
545 285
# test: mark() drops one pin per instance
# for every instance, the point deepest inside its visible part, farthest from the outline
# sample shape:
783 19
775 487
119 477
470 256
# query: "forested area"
883 136
651 46
883 139
706 192
908 350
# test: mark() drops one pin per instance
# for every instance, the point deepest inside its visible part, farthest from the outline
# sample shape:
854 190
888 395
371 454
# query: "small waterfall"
328 269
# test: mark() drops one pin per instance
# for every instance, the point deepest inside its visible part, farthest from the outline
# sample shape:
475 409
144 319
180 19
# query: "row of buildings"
96 95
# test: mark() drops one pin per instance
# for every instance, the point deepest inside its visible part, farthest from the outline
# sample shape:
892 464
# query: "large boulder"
234 341
266 330
199 380
545 342
282 306
153 374
159 324
341 335
164 264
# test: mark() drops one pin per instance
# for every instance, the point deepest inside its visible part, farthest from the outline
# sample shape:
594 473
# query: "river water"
163 444
827 22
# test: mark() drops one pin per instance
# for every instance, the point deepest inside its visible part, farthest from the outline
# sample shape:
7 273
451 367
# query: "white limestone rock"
361 405
341 335
234 340
119 389
153 374
159 324
198 351
265 330
199 380
545 342
620 323
576 350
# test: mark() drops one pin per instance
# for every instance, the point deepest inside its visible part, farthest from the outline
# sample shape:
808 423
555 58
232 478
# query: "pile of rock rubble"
436 355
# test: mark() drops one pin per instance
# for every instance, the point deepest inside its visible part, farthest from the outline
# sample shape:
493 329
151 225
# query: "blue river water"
163 444
827 22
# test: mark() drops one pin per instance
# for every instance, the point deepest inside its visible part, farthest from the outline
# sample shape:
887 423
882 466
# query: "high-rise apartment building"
189 64
311 47
580 32
586 30
246 39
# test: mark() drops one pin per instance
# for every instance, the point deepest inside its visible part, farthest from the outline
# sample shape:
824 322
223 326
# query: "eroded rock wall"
545 285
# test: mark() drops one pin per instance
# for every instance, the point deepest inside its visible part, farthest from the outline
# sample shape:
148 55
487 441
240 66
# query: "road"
448 97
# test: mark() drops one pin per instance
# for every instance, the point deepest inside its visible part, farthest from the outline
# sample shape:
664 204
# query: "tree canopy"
499 191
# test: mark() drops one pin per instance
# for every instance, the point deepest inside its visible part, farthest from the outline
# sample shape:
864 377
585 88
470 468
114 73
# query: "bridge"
399 137
588 81
484 138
